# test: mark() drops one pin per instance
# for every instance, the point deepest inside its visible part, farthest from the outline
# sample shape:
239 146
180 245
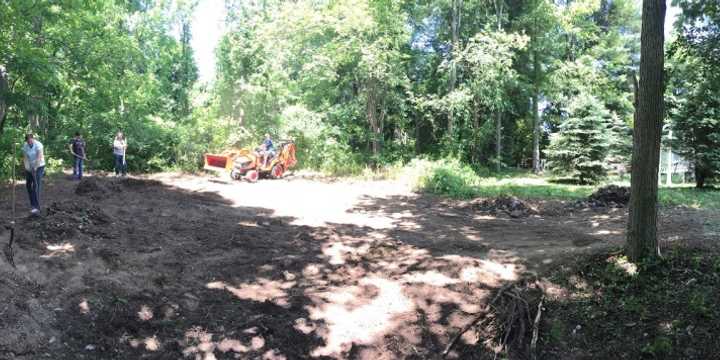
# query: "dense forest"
451 179
538 84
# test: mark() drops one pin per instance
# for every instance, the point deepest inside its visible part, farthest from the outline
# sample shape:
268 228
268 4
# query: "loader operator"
268 150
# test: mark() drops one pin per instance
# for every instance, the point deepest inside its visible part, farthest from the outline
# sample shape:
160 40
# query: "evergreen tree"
620 141
695 115
695 88
579 149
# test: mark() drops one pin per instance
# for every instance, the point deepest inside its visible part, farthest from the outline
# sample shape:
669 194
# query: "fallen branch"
536 329
475 321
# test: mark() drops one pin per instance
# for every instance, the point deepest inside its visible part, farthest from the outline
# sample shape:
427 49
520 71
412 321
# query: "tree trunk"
642 223
699 177
536 130
668 178
3 96
455 29
418 134
498 141
535 99
498 4
375 117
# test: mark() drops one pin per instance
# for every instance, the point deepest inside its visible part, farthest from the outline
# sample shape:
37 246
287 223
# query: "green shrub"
446 177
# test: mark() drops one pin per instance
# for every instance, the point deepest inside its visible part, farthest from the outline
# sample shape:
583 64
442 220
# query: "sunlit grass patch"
453 179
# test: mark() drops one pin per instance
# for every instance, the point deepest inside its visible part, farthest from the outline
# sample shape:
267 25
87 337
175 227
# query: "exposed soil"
177 266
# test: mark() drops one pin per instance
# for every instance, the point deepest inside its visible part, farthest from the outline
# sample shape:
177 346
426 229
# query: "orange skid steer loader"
246 164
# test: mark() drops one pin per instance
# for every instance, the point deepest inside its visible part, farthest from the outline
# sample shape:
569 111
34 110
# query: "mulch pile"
65 220
509 205
90 187
611 195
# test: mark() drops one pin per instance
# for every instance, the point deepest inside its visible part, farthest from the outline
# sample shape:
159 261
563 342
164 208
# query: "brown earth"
177 266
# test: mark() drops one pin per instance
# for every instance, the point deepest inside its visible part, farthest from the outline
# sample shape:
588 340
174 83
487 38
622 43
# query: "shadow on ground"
136 268
128 268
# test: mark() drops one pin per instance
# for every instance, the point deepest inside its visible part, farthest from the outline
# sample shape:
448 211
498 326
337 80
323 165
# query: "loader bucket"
217 162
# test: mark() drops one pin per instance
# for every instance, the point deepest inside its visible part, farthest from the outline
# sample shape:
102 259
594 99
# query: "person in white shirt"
119 148
34 161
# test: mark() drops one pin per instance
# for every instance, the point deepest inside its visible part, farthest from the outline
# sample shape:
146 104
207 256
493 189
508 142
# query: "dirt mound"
64 220
138 183
90 186
611 196
509 205
24 327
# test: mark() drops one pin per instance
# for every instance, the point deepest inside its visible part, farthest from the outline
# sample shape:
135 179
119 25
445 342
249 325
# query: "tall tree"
695 88
642 225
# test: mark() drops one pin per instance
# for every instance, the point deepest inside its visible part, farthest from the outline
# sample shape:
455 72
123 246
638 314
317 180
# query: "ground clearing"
177 266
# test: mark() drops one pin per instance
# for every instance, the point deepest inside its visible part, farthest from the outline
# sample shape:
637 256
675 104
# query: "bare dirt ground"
177 266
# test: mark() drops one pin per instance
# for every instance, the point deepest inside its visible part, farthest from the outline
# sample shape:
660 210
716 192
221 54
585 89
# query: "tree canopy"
355 82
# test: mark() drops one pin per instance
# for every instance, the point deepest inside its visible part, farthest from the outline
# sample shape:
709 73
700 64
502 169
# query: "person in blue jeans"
34 161
77 149
119 149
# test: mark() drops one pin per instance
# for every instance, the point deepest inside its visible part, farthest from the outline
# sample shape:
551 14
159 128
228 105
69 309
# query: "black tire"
277 171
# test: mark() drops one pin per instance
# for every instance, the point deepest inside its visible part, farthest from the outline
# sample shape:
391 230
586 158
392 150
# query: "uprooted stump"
510 205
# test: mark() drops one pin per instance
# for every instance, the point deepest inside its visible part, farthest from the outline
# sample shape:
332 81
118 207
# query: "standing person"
119 149
34 161
77 149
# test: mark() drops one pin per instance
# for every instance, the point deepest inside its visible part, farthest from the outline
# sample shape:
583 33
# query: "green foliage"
386 79
657 309
660 346
95 68
447 177
580 148
695 113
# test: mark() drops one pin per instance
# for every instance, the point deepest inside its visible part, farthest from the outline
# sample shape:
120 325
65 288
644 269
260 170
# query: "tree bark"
498 141
498 123
455 29
642 223
699 178
668 178
3 96
375 116
536 134
536 114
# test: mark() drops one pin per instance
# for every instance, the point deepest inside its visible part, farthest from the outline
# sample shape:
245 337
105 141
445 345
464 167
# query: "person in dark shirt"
268 149
77 149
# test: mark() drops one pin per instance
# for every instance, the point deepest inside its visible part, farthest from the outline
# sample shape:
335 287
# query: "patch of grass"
690 196
657 310
453 179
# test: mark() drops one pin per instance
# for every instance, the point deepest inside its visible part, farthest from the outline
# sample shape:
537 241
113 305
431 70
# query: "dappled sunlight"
300 201
490 271
84 307
431 277
606 232
199 343
624 264
337 252
262 290
151 343
145 313
360 325
55 250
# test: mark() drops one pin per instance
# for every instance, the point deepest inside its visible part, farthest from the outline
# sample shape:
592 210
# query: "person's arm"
70 146
40 158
